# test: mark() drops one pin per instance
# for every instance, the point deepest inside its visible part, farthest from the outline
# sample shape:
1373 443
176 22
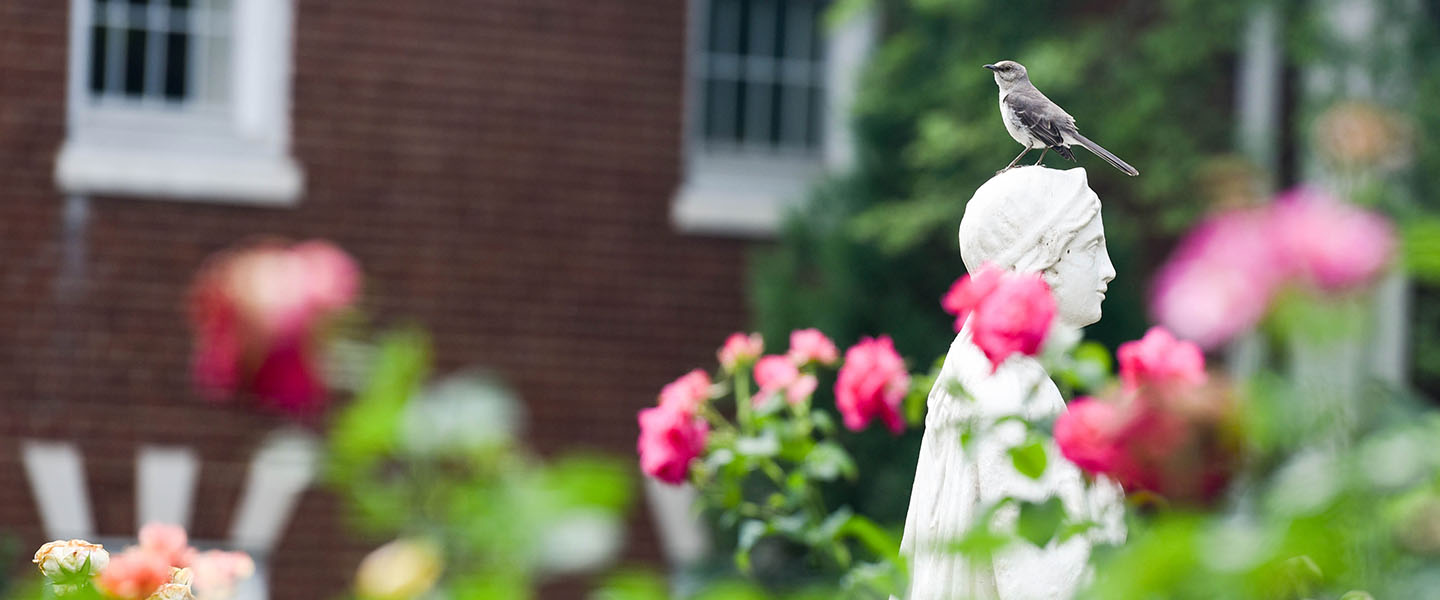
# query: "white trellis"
165 476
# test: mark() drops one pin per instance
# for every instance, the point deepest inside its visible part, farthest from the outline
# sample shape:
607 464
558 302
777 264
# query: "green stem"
774 471
742 400
716 419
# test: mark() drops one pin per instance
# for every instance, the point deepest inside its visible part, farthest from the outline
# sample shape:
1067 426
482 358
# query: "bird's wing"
1045 120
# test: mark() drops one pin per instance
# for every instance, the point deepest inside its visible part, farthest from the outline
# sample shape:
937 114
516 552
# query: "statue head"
1040 220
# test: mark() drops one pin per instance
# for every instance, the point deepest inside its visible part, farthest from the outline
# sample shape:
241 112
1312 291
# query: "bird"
1037 122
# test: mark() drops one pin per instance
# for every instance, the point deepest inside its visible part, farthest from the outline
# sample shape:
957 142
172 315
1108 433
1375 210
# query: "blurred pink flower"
1158 358
967 292
809 345
872 384
1176 441
1225 273
740 350
687 392
1329 244
218 572
669 440
778 375
1086 434
257 313
134 574
1220 279
167 541
1014 318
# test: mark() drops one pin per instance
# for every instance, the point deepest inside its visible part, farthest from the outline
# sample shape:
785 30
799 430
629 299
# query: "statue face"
1081 277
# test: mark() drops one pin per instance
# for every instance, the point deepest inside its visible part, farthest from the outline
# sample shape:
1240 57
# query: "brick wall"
501 168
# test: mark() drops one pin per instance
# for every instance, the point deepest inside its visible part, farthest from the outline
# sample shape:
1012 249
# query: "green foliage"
500 517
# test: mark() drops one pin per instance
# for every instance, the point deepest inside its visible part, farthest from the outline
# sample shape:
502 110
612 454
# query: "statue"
1032 219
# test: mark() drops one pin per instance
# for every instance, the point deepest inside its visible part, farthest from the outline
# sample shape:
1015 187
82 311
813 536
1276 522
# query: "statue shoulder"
968 384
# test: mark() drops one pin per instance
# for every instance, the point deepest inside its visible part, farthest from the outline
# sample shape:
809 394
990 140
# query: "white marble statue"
1030 219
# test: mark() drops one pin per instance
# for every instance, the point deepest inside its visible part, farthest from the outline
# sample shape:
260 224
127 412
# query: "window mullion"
155 49
199 27
116 20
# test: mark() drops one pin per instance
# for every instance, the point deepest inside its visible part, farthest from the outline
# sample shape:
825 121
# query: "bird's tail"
1105 154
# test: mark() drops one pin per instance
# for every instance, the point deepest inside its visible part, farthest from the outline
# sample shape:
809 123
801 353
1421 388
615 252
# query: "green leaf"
632 585
875 538
1076 528
828 461
792 525
919 396
831 526
823 421
1094 354
719 458
844 10
589 481
750 532
764 445
1357 595
1029 458
1421 248
1039 522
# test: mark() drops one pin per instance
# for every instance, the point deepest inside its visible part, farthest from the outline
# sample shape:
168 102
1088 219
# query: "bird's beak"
991 67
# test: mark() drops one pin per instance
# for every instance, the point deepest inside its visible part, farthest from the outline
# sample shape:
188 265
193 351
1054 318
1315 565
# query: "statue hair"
1023 219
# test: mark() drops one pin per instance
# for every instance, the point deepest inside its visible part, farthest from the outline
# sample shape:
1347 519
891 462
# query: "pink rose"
687 392
332 279
167 541
809 345
740 350
1086 434
1158 358
258 313
1014 318
134 574
779 375
872 384
217 572
1331 245
1219 281
669 440
1174 441
969 290
289 380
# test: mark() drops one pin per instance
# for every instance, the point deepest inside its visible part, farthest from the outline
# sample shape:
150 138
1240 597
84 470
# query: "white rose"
67 558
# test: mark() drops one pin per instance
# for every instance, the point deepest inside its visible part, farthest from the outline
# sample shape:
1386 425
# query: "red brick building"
512 174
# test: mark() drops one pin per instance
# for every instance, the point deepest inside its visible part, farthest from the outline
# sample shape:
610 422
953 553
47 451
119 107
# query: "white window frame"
747 194
239 155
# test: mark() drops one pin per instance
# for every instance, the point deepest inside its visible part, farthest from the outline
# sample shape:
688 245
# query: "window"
162 54
181 99
762 70
766 81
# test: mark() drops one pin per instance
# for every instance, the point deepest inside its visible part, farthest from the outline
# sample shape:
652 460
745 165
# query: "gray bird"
1036 122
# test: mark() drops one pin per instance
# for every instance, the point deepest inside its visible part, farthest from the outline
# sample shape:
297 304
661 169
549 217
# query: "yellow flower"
399 570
